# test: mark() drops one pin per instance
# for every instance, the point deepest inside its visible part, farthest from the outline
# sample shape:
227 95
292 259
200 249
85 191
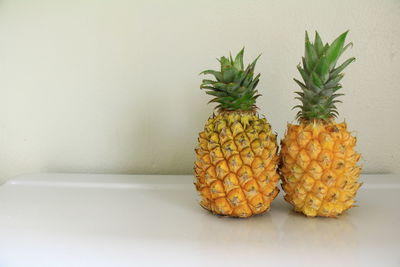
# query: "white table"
75 220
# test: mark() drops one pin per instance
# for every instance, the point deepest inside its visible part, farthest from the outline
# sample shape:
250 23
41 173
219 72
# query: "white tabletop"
75 220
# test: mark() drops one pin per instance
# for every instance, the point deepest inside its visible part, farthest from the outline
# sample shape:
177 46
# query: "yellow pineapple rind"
319 168
236 164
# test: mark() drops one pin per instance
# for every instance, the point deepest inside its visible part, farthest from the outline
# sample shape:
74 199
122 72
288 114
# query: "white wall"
113 86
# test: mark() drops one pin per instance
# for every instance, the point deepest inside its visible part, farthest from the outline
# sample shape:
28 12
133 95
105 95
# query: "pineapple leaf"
319 46
303 74
215 93
228 75
216 74
316 80
254 83
337 87
235 87
337 70
322 69
205 81
310 55
239 60
303 60
208 88
336 95
346 47
302 85
297 106
318 94
333 82
253 64
335 50
301 94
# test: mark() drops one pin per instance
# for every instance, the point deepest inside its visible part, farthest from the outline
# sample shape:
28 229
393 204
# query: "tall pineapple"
236 158
318 161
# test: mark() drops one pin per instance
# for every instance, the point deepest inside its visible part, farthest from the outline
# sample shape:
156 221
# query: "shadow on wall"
168 143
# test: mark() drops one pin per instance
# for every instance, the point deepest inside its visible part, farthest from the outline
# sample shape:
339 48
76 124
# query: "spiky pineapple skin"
319 168
236 164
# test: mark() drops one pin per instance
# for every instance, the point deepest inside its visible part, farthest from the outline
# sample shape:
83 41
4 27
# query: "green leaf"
310 55
246 82
301 94
253 64
319 46
334 113
316 80
303 60
303 74
255 81
215 93
335 49
234 87
221 86
228 75
302 85
225 99
312 86
326 92
333 82
332 98
336 95
240 76
216 74
297 106
301 100
337 87
337 70
239 60
309 95
241 90
208 87
225 63
346 47
322 69
205 81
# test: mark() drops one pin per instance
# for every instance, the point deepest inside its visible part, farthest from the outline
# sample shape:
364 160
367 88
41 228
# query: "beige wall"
113 86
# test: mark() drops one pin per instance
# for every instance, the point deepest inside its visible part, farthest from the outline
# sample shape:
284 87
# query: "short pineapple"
318 159
236 165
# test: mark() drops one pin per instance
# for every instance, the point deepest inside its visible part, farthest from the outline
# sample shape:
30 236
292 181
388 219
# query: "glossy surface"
113 220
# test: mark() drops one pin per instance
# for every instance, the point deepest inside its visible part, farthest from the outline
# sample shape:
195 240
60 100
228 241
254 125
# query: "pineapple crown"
234 87
321 78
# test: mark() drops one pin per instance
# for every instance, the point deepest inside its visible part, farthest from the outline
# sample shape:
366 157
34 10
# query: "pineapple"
318 159
236 158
